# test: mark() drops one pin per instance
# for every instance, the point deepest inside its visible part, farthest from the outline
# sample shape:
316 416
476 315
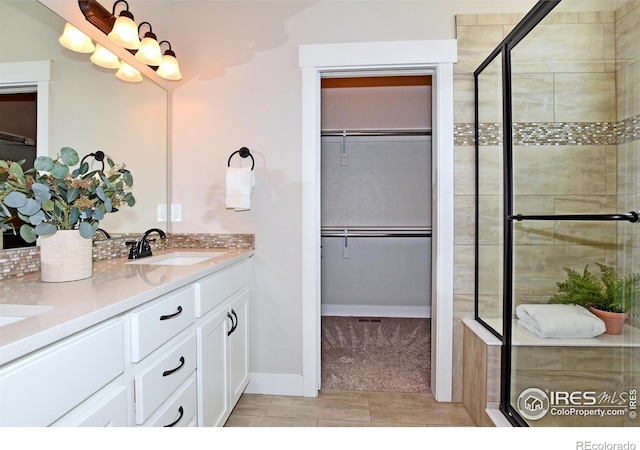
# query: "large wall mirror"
89 109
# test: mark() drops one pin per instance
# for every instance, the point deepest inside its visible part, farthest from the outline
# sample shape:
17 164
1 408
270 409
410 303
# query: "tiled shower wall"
576 148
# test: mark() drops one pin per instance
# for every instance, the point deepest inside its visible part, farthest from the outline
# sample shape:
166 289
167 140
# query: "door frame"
435 58
31 76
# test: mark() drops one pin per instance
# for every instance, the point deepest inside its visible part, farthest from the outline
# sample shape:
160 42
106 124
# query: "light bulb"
76 40
128 73
149 52
104 58
169 69
125 32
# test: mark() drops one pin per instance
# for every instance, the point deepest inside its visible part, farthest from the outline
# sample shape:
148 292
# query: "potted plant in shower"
61 208
611 296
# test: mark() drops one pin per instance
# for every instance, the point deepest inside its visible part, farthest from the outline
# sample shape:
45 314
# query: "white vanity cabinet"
222 301
163 350
179 359
40 388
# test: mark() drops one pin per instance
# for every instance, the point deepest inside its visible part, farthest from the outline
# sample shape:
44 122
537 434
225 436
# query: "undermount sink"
178 258
14 313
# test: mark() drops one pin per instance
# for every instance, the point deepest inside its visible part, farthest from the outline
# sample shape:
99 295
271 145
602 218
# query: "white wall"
242 87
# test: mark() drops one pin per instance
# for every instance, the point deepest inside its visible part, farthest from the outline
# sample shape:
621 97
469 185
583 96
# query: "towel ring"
243 152
98 156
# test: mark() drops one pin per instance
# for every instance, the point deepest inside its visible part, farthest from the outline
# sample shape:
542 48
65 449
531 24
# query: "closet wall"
376 197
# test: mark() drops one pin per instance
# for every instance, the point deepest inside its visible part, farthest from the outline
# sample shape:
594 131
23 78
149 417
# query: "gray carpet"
382 354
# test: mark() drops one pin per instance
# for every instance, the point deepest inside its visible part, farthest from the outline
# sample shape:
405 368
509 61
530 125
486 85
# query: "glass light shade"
149 52
128 73
169 69
125 33
76 40
104 58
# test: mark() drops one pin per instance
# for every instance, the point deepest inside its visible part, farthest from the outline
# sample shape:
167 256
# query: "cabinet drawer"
179 409
214 289
39 389
104 409
154 325
156 383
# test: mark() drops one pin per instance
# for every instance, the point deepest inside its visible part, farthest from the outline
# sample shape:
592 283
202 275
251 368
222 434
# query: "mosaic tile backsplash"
20 261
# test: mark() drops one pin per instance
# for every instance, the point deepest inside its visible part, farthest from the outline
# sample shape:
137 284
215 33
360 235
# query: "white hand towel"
240 181
559 321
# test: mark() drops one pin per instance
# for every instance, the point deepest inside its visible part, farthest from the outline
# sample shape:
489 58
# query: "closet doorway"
376 233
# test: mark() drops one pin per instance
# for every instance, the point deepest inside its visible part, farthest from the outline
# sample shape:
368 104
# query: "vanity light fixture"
166 65
76 40
149 52
128 73
125 31
169 69
104 58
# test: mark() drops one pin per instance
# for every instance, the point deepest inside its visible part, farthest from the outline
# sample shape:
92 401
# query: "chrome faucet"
141 247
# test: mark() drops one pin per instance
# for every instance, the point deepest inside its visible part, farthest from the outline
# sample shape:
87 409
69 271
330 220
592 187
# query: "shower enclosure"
557 187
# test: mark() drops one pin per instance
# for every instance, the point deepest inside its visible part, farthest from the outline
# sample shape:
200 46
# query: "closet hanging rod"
374 228
372 234
399 132
16 138
375 232
632 216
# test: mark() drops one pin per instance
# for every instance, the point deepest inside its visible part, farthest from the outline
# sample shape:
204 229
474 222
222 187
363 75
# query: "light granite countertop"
117 286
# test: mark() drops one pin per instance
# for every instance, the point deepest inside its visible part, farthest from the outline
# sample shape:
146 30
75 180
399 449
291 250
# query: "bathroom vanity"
159 341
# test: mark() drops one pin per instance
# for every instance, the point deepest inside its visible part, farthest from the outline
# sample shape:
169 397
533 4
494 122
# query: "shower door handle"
632 216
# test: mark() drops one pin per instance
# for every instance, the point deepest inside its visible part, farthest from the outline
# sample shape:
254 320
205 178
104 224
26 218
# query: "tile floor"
347 409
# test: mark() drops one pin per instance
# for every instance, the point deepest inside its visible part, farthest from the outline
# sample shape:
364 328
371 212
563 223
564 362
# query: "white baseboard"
275 384
376 311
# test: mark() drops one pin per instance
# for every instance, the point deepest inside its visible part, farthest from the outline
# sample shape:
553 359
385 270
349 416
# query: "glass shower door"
489 194
575 164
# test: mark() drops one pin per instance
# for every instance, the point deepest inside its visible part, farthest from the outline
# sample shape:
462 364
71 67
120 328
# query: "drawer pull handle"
236 324
181 411
169 372
171 316
233 326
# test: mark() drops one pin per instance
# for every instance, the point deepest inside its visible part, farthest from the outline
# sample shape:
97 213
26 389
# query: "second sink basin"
178 258
15 313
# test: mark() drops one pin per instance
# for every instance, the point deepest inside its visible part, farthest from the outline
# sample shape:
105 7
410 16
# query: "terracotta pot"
613 322
65 256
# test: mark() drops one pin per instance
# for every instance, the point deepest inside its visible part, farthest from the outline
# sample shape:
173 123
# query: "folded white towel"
559 321
240 181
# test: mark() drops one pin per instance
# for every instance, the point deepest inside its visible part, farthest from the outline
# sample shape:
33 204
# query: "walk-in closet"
376 233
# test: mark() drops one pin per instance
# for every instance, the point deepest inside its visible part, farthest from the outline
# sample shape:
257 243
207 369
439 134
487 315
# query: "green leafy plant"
609 292
53 197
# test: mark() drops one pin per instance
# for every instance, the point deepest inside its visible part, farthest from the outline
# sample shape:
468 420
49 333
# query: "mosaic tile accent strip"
20 261
628 130
565 133
211 241
490 134
464 134
555 133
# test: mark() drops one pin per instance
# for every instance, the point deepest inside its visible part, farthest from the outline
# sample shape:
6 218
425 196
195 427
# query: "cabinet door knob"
169 372
171 316
181 412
